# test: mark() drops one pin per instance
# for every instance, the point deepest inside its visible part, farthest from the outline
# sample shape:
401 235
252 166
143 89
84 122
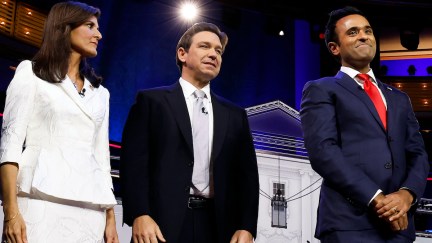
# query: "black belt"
196 202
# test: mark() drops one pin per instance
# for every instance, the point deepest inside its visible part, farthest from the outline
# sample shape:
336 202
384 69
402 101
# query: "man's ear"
181 53
333 47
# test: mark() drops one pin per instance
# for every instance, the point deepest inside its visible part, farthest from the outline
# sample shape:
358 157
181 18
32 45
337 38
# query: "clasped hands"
393 208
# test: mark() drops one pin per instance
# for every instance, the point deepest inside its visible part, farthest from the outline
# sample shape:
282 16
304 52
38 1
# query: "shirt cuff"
376 194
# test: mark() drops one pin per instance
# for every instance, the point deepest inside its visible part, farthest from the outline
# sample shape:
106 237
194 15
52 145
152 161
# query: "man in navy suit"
367 147
161 200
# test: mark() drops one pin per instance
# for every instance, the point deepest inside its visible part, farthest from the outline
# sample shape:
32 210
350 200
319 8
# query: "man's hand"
394 205
377 200
145 229
400 224
242 236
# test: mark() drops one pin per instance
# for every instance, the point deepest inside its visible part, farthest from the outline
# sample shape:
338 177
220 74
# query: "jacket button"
388 165
190 164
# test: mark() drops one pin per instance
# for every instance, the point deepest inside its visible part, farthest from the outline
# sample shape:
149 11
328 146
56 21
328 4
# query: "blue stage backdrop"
400 67
138 51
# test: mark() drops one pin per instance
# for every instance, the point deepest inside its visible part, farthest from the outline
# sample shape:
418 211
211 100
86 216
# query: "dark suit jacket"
355 155
156 163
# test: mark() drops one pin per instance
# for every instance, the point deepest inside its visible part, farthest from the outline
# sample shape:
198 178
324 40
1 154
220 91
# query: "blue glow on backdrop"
138 51
400 67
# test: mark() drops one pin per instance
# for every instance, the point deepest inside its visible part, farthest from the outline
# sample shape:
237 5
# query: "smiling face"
85 38
356 45
203 60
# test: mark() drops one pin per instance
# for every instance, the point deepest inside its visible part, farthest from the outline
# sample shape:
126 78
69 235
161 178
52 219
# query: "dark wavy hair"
51 62
335 16
186 39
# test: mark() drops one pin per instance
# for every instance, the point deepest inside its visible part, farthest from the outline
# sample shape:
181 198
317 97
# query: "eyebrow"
91 22
359 27
209 43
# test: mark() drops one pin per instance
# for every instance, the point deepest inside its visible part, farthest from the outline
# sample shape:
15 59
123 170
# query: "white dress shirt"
188 92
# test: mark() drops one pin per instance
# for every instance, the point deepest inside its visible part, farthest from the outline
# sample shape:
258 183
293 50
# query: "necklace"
83 90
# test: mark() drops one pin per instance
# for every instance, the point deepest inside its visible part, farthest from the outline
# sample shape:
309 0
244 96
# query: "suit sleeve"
322 141
417 159
102 151
134 173
249 179
18 110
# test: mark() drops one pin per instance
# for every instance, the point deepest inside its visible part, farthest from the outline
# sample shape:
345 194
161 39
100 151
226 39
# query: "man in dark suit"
161 158
363 139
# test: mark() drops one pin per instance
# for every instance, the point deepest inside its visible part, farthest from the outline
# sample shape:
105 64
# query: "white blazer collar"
71 91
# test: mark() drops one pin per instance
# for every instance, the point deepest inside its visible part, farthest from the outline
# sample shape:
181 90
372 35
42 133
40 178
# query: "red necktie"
375 96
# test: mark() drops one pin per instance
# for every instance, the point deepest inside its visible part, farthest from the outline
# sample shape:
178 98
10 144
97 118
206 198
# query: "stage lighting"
275 25
189 11
316 33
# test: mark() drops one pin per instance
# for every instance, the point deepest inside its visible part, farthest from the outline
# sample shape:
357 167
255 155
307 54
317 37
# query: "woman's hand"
111 235
14 228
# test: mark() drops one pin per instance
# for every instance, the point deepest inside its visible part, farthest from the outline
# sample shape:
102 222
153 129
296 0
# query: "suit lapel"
179 109
387 92
348 83
220 122
70 90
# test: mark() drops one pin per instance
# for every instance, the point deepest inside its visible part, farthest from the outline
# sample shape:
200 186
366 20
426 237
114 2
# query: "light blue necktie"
200 132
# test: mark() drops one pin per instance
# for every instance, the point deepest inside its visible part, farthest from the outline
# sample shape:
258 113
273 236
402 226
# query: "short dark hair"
51 62
186 39
334 16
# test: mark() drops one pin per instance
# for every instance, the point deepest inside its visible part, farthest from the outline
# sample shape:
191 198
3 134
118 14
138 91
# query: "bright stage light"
189 11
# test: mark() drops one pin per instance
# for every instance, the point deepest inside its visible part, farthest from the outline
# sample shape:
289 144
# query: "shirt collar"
189 89
353 73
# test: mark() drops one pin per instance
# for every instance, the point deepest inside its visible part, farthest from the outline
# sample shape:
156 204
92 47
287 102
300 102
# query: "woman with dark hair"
54 153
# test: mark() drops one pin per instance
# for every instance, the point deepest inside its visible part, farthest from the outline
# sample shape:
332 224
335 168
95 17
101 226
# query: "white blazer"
65 138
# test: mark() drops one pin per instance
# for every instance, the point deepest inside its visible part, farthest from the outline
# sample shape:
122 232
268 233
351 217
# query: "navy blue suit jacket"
156 163
349 147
